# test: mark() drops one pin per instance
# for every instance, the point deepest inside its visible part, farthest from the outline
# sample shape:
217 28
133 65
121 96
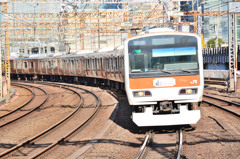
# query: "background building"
37 44
217 27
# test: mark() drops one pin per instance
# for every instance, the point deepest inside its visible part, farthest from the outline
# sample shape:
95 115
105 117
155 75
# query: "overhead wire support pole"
232 45
6 51
1 92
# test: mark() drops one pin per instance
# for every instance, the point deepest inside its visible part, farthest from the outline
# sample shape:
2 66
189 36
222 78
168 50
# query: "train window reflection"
177 53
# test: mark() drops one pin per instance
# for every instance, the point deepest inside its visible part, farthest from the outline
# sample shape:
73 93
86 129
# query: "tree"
211 42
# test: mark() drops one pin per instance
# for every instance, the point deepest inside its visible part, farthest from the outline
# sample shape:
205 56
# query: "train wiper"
136 71
167 72
186 71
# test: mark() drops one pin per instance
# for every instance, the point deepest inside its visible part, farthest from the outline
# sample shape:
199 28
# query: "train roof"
108 51
155 30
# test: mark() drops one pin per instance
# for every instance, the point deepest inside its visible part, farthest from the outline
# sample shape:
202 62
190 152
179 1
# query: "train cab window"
25 64
31 65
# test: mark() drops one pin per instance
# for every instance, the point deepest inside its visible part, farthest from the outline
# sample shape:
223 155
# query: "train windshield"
163 53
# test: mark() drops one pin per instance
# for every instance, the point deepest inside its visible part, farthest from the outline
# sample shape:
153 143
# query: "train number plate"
163 82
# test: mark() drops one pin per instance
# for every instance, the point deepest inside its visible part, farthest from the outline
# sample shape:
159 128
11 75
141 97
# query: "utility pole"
35 19
199 22
232 44
6 50
1 93
98 27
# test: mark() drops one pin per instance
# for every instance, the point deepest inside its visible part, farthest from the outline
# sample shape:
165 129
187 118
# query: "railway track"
216 82
161 146
231 107
21 106
28 107
55 134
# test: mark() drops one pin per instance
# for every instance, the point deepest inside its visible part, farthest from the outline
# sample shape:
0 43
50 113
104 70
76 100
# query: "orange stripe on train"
164 82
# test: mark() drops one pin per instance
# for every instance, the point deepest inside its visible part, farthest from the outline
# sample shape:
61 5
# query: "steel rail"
180 143
29 141
46 98
33 95
222 83
144 146
229 102
220 107
98 105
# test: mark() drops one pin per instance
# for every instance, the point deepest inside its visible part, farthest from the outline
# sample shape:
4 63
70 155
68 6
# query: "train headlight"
142 93
188 91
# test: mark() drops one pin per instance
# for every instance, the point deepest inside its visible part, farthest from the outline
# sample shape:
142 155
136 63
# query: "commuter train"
161 72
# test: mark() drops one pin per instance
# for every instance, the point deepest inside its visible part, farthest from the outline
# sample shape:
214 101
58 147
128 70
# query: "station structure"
93 24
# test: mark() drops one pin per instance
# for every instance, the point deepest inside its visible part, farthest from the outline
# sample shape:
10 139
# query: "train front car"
164 78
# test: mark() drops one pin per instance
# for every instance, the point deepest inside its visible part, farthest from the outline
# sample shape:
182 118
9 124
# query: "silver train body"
162 73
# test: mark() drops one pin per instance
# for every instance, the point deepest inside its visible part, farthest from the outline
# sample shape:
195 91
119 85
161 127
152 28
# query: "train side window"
88 63
54 64
18 64
84 63
93 63
116 63
66 64
77 64
31 64
25 64
14 64
108 63
97 60
112 63
80 64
